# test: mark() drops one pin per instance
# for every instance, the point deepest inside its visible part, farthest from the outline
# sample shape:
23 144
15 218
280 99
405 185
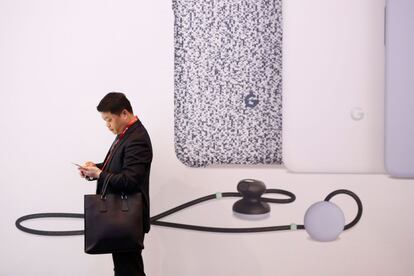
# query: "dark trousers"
128 264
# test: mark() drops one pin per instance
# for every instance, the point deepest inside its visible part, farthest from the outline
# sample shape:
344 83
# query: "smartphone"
79 166
399 96
333 86
228 82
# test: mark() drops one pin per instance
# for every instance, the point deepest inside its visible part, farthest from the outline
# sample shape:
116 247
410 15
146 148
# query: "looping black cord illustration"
155 220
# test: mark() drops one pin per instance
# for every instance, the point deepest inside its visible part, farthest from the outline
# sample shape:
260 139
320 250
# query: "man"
128 162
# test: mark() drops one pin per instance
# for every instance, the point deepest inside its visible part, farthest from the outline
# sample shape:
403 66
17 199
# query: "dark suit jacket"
130 166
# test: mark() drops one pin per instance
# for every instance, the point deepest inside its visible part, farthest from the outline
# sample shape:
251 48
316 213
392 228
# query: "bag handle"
105 185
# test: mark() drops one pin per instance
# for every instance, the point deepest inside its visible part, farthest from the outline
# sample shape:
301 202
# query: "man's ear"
124 114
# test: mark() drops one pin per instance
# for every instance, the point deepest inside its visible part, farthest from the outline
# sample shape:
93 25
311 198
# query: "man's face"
115 123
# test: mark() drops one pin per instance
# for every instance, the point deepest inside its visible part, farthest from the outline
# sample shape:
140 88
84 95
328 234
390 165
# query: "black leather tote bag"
113 222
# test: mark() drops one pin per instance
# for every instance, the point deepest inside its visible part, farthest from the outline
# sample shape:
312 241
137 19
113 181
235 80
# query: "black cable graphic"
155 219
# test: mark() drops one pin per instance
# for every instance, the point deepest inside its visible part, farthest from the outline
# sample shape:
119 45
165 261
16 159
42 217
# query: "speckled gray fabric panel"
228 63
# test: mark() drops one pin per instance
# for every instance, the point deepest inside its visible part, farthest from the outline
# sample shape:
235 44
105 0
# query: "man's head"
116 110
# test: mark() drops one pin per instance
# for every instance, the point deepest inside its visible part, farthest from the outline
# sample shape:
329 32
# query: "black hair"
115 103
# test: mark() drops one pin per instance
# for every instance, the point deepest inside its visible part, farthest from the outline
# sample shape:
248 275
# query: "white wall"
57 60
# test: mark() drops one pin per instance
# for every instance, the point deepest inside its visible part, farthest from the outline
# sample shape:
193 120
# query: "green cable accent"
219 195
293 227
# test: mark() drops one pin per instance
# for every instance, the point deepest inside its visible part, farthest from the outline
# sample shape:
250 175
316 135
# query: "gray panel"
227 82
399 119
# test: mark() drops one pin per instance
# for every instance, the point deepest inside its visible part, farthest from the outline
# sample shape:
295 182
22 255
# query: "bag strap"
105 185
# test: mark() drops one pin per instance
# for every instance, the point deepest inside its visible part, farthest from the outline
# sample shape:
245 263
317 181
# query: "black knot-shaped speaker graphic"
251 203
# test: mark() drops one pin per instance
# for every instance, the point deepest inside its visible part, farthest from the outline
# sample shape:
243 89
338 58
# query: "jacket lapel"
118 146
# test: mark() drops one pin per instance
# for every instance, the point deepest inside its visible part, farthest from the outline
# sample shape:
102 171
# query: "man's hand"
89 163
89 169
